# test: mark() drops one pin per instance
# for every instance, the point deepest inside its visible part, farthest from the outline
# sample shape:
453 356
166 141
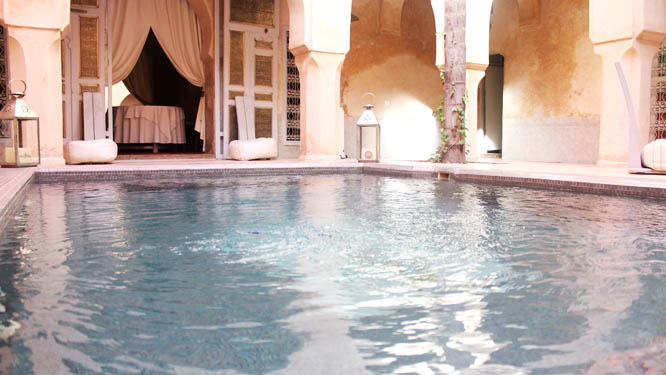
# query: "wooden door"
84 68
250 67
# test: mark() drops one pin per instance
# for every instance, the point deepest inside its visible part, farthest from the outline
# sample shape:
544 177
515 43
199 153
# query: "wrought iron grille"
4 67
293 98
658 97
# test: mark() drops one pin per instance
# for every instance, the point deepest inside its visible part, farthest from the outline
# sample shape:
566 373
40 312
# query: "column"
43 77
322 118
628 32
36 26
319 40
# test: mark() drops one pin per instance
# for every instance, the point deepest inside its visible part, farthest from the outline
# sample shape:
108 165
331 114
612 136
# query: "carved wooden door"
84 68
250 66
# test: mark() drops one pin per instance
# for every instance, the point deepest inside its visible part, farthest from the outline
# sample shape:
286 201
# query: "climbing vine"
446 135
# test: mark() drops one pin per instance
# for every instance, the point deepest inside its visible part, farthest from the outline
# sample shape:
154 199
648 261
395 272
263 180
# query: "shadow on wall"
397 64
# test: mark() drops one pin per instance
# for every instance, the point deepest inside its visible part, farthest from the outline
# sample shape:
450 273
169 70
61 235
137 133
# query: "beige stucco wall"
398 66
34 28
552 80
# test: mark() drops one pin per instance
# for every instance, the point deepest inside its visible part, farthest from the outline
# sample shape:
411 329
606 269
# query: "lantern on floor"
368 139
19 133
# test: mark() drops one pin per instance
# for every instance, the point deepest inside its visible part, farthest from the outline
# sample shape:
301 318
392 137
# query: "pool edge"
13 192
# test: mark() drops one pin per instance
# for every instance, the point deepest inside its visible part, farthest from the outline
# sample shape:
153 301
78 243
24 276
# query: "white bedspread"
149 124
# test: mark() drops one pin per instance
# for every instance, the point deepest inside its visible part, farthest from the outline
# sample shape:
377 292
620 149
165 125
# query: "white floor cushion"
260 148
97 151
653 155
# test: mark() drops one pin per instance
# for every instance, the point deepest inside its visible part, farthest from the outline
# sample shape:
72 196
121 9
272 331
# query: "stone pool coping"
13 183
564 177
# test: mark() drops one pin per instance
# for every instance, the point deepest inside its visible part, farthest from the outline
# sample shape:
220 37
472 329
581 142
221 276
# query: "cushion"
260 148
97 151
653 155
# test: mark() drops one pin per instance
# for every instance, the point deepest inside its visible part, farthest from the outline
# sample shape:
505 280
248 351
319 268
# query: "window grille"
4 67
293 98
658 97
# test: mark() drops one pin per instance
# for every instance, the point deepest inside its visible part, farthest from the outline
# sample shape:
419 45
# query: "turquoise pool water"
342 274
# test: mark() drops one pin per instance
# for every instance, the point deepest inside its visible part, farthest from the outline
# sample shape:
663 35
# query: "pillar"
36 26
629 32
319 40
322 118
636 59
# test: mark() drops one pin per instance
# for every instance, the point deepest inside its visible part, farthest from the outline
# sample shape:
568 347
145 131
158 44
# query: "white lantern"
19 133
368 126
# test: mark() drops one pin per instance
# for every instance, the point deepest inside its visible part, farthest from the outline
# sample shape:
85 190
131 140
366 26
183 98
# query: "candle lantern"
368 139
19 133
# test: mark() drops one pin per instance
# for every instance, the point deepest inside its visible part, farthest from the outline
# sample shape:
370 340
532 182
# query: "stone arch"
399 68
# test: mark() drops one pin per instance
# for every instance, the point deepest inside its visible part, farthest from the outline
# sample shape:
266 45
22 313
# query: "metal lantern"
367 125
19 133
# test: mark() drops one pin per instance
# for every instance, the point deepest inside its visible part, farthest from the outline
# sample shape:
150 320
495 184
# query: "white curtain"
130 30
176 28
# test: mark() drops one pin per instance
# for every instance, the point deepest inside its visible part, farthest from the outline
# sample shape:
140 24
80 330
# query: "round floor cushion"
260 148
654 155
97 151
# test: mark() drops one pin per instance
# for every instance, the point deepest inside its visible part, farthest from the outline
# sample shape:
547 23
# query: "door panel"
84 63
251 56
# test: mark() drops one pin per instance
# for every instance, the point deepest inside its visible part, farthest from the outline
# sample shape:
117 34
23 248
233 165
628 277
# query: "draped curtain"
176 28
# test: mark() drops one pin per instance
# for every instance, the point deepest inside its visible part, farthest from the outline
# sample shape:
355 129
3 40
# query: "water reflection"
321 274
117 285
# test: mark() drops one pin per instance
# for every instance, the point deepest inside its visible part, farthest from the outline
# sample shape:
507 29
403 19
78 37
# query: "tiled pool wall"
12 194
11 203
51 177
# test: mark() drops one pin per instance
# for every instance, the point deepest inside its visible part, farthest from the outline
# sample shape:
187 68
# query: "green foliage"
445 134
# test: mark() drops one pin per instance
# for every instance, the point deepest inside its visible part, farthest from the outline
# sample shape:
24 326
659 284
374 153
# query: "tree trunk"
454 81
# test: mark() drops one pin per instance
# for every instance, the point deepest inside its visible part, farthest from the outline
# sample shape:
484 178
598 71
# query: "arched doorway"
551 88
490 99
392 55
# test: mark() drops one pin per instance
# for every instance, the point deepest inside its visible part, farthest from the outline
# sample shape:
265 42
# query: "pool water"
347 274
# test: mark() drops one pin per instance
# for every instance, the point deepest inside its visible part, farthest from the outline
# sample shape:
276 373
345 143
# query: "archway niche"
551 80
392 55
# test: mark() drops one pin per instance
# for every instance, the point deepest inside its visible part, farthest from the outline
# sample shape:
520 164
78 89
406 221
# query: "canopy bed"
156 47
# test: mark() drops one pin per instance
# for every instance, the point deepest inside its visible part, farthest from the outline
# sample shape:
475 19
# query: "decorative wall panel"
4 67
258 12
88 36
263 97
236 58
293 98
86 3
263 122
263 71
658 97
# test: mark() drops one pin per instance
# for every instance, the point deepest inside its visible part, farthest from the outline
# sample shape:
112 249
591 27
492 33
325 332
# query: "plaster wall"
34 47
552 81
400 70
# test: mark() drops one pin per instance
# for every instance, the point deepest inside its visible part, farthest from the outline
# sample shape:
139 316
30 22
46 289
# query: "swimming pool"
347 274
